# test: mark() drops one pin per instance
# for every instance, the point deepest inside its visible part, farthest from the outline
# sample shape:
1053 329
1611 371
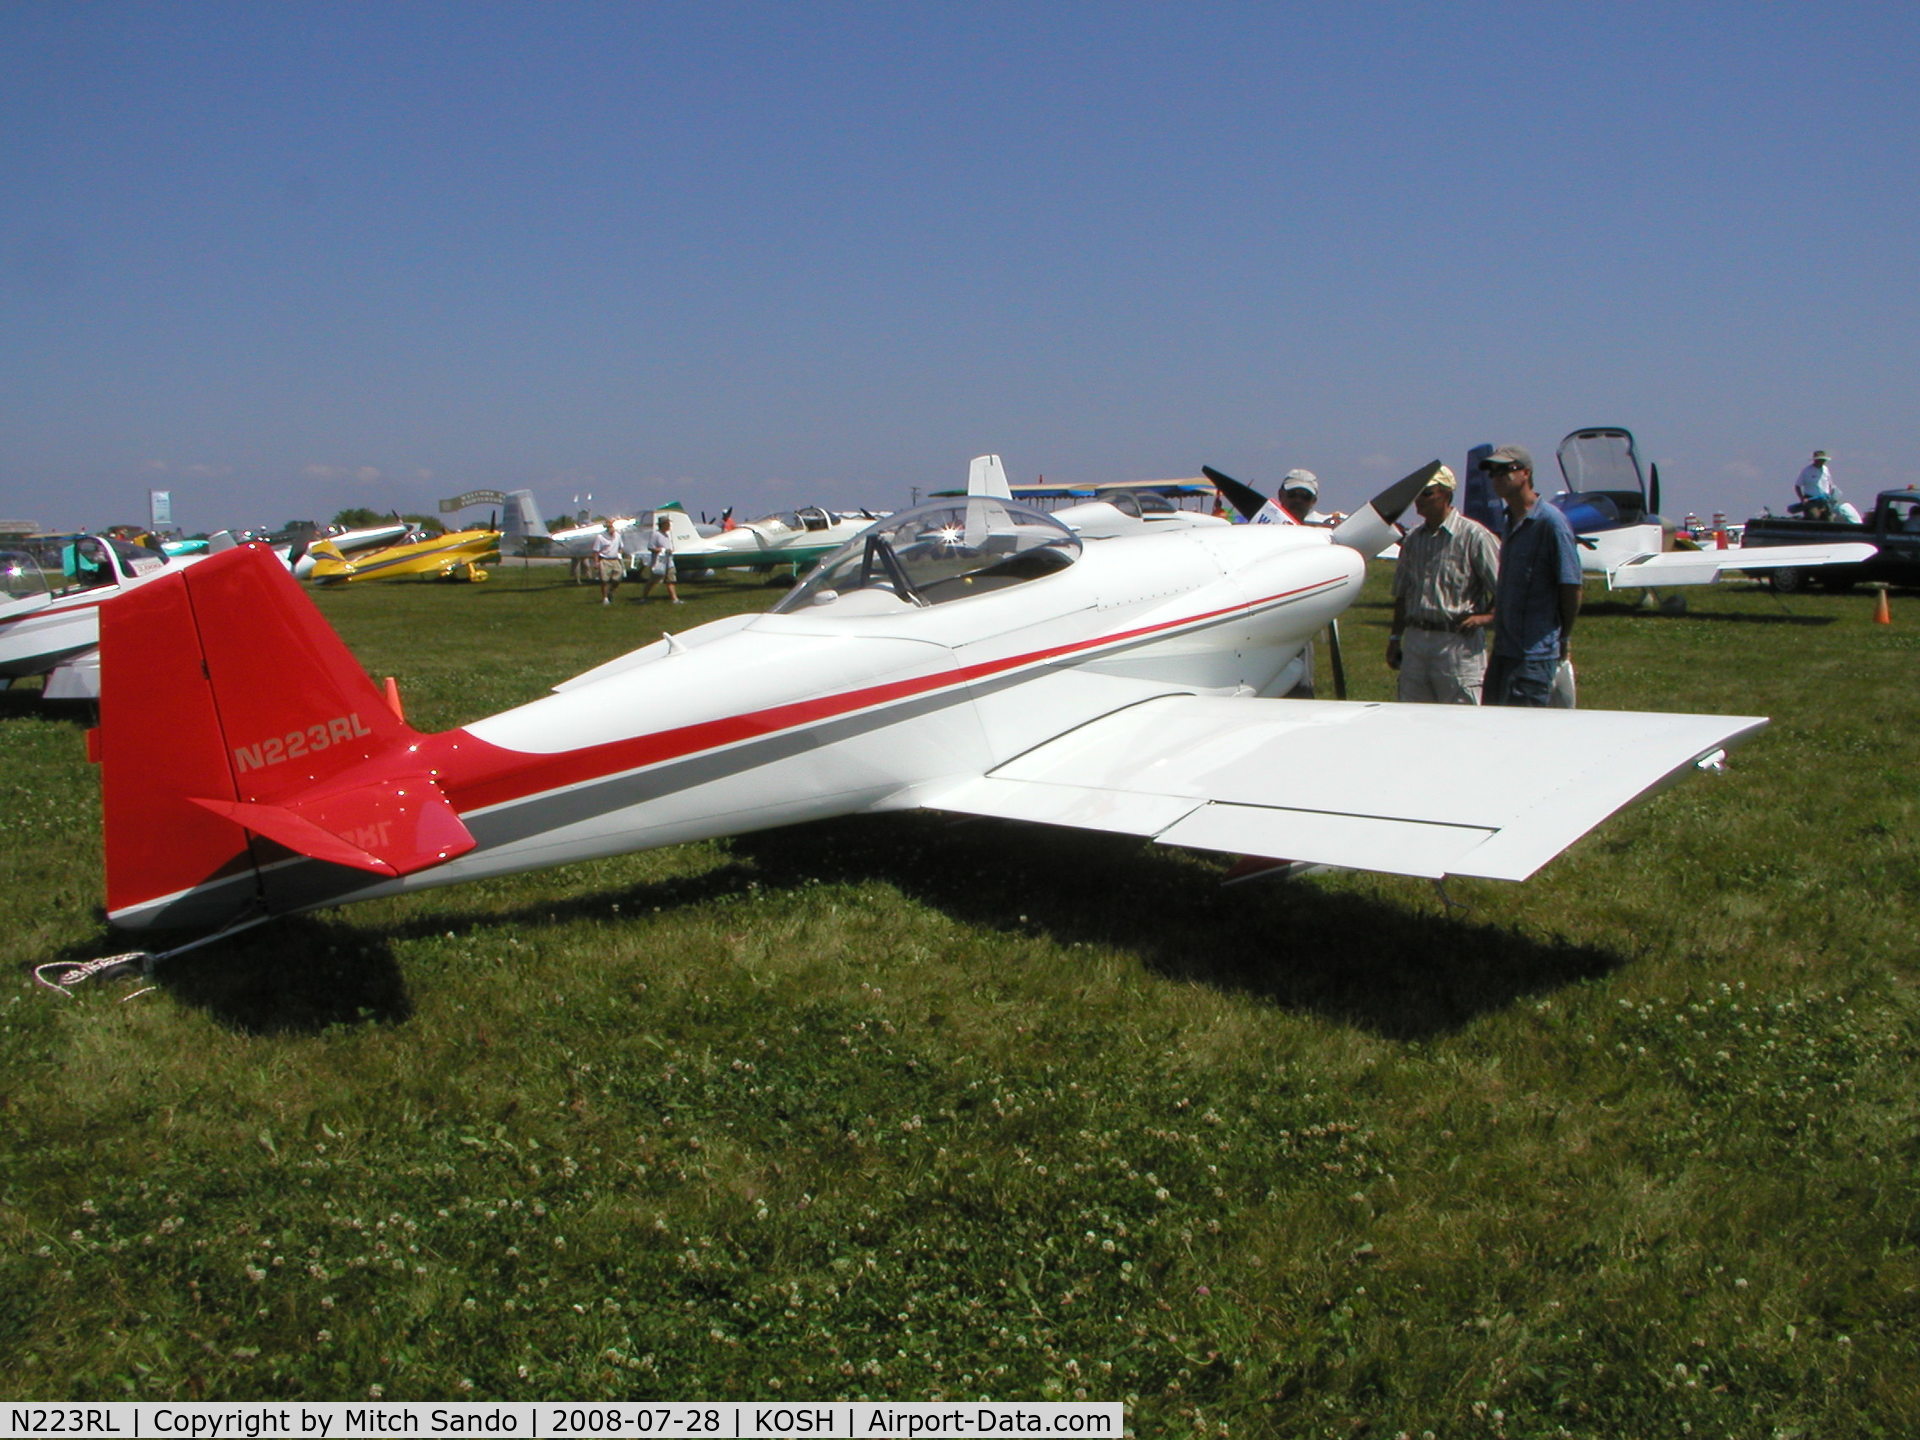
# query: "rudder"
235 725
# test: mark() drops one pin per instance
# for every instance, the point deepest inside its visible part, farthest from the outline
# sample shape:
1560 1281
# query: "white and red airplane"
51 626
969 656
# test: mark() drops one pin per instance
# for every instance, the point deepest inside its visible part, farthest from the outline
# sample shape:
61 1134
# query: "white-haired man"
607 564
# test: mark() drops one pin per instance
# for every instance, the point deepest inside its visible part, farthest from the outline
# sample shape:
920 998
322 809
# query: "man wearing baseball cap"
1443 590
1816 484
1299 493
1537 597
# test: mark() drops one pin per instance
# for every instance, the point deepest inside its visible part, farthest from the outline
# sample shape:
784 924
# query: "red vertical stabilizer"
234 727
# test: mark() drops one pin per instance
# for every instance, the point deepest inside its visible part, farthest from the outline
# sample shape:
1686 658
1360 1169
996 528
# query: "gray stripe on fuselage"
304 884
514 821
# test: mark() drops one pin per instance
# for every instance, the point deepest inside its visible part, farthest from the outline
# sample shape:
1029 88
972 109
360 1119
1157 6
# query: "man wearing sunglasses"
1538 595
1443 589
1299 497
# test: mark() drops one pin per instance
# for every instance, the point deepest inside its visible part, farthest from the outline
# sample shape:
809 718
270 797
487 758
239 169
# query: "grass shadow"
300 974
21 703
678 892
297 976
28 702
1604 608
1399 972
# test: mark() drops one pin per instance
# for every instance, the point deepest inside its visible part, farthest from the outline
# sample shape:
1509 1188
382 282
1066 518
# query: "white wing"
1321 781
1703 567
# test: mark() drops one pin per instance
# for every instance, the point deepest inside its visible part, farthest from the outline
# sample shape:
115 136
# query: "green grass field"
903 1108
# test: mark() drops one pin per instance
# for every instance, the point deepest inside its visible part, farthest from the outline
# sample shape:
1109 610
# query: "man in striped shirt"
1443 592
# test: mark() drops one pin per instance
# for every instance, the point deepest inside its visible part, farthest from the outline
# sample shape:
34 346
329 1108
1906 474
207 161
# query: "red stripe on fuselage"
475 774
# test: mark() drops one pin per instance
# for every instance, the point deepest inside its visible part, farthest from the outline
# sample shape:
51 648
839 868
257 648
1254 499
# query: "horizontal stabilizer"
1226 774
391 827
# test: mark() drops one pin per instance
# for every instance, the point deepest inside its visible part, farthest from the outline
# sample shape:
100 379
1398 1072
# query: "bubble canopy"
935 553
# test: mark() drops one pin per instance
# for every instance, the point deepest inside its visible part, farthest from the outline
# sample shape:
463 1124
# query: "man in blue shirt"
1538 594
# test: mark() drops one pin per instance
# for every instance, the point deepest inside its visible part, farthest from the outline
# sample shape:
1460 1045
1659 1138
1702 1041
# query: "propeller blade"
1244 498
1370 529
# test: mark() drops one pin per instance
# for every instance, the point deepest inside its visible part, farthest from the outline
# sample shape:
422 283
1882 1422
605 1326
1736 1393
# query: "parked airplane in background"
455 555
301 559
1129 508
523 532
970 656
52 628
526 533
1613 506
796 538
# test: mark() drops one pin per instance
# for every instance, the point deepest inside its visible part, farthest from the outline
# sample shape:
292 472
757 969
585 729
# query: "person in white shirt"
1816 483
607 565
660 561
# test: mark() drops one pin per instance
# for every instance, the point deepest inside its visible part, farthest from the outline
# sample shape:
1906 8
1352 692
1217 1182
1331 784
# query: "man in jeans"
1538 595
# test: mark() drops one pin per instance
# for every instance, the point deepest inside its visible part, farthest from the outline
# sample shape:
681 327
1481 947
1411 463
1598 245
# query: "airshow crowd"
1456 584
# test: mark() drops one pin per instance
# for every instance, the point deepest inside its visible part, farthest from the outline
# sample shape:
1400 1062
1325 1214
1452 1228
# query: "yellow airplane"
452 556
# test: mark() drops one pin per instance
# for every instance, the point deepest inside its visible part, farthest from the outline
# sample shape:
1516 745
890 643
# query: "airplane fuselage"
858 704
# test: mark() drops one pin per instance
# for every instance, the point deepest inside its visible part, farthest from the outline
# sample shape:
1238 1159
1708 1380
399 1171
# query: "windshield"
943 551
20 576
1600 460
131 555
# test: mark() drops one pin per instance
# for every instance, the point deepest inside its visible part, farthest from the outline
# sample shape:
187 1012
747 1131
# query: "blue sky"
282 259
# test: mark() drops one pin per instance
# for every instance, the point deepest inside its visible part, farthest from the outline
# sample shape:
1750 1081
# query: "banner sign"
159 509
473 497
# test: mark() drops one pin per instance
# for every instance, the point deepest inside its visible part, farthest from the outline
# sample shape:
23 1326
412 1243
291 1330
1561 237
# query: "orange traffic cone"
1881 614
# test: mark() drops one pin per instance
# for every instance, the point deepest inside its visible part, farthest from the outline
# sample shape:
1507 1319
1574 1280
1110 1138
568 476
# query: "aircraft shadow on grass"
25 703
304 973
1402 973
1406 973
1605 608
296 977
